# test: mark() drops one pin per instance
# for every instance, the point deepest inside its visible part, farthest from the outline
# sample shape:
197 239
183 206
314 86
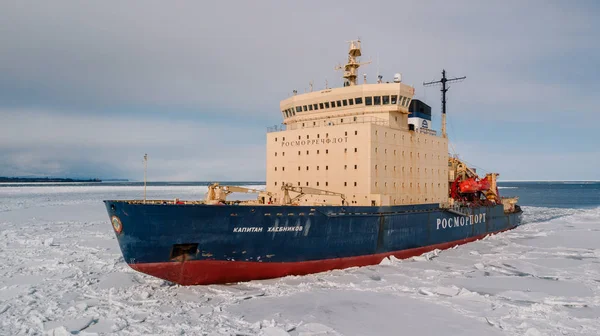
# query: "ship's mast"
350 69
443 81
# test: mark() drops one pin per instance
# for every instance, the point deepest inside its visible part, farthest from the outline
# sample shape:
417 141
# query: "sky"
87 88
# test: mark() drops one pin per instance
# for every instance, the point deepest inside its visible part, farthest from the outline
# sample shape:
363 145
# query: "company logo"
425 124
455 222
116 223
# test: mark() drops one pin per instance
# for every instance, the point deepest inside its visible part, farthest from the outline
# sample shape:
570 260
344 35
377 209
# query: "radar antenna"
353 63
444 89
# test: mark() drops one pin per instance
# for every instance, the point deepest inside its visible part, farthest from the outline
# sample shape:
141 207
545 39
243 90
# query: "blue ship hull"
194 244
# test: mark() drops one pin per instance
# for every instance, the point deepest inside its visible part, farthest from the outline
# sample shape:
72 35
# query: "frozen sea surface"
61 273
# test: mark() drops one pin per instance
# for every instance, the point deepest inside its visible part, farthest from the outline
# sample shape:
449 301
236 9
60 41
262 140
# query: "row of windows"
371 100
356 151
319 135
326 184
385 100
403 185
376 168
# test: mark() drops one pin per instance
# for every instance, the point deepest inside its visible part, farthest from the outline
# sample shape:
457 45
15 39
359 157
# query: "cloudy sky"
86 88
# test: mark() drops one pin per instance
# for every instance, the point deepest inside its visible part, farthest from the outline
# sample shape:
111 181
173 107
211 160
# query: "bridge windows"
394 100
310 107
358 100
377 100
339 103
345 102
332 104
304 108
385 100
315 107
350 101
321 106
298 108
326 104
368 101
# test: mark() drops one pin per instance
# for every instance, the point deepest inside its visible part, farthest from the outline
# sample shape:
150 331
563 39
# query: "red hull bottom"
206 272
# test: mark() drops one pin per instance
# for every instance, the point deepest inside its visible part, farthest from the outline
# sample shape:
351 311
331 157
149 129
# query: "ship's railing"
337 121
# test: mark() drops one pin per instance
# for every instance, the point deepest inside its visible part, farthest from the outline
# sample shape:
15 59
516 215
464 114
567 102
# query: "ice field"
61 273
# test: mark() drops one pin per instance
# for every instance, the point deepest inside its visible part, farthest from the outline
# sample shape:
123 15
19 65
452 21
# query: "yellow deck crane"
287 200
218 193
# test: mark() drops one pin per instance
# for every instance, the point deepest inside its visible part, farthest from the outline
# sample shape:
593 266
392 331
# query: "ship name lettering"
248 229
459 221
298 143
285 229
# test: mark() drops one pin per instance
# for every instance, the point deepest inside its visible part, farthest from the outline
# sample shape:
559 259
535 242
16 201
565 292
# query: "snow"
62 274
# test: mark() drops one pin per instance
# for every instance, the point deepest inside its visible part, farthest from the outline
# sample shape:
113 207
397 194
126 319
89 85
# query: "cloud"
57 144
99 83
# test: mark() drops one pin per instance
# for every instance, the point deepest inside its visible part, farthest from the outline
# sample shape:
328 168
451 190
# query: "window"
275 168
304 108
345 102
318 135
326 184
394 99
358 100
339 103
376 168
385 100
310 107
283 168
306 167
317 151
355 184
345 184
298 183
307 136
355 149
327 151
275 183
315 107
307 152
307 184
275 139
345 133
350 101
317 167
355 166
326 104
275 153
355 132
345 167
377 100
298 167
317 184
298 108
368 101
327 135
283 154
345 150
326 167
341 120
321 106
332 104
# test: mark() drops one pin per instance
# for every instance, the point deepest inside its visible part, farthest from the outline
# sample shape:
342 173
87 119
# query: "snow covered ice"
62 273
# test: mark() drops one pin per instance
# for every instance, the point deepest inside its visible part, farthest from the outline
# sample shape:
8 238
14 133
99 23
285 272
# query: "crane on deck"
287 200
218 193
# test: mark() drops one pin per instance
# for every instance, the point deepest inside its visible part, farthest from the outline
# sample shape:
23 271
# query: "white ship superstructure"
356 140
